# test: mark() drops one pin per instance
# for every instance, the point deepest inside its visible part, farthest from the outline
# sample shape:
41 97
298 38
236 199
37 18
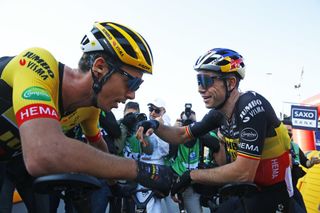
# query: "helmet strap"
227 95
98 84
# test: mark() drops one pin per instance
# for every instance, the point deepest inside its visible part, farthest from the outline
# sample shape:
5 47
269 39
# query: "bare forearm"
101 145
172 134
224 174
73 156
47 150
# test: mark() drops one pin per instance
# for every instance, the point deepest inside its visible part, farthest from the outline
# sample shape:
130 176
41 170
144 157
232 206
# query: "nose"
201 89
131 95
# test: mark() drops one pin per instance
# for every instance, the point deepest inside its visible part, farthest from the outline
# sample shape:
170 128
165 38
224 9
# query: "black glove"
154 124
157 177
181 183
130 120
211 142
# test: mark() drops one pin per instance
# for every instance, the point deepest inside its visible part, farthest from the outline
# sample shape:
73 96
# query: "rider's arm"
100 144
179 135
241 170
47 150
252 133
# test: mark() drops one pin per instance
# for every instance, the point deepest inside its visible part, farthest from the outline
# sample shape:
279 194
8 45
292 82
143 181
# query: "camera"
186 119
131 120
141 117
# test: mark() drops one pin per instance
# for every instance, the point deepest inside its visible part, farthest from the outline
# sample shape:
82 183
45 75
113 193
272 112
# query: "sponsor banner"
304 117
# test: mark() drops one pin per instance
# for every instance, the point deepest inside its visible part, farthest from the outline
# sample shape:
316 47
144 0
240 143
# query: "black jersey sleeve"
211 121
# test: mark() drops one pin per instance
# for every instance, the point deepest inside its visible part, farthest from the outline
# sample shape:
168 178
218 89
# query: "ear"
99 67
231 82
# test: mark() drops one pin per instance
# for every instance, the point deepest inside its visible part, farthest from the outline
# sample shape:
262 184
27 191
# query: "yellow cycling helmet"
121 43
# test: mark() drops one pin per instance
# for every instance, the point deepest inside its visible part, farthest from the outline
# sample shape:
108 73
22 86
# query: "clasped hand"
179 185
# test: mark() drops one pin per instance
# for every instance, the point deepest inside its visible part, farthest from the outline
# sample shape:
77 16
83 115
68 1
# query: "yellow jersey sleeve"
88 118
34 76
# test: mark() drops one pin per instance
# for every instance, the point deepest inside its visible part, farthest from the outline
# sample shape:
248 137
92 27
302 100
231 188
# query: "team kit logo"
37 65
36 110
36 93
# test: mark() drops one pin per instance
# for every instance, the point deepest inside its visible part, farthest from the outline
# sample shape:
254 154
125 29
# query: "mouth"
206 98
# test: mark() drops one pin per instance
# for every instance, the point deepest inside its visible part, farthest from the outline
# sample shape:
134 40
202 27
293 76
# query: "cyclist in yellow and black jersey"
33 91
40 97
256 139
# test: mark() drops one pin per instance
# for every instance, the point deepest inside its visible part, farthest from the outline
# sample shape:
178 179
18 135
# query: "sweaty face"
211 88
121 86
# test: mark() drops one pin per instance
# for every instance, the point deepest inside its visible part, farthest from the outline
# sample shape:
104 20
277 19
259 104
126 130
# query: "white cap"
158 102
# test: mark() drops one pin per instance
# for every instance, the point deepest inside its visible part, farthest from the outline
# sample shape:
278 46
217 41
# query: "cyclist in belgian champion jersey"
247 119
41 96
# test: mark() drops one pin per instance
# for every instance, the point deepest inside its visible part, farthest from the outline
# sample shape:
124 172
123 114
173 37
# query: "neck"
76 91
229 106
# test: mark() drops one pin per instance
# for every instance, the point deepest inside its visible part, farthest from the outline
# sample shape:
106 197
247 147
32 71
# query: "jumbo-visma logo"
36 93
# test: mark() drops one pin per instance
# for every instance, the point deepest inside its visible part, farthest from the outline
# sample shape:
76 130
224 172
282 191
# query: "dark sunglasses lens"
156 110
204 81
134 84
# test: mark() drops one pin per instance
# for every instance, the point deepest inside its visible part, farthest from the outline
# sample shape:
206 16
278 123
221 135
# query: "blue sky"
278 37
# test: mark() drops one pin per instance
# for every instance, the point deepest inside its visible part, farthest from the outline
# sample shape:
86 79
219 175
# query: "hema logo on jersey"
33 111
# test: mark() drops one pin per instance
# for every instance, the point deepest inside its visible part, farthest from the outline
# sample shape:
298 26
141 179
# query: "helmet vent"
98 35
208 60
139 43
85 40
223 62
122 40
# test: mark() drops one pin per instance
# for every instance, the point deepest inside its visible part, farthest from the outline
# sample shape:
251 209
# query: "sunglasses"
133 82
156 110
206 81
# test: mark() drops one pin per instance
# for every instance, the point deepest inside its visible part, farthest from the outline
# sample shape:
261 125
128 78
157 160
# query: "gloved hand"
181 183
156 177
211 142
154 124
